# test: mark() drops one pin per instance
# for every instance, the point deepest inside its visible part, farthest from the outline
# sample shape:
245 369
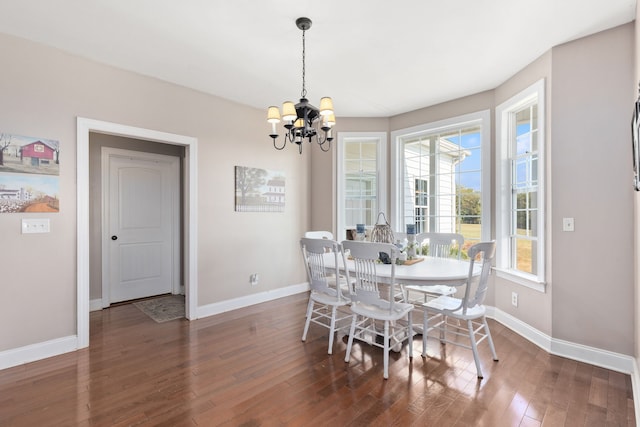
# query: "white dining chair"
320 234
468 311
369 304
327 294
439 245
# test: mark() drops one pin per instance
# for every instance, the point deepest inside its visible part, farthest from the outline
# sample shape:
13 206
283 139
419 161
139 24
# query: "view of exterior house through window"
360 181
442 181
523 141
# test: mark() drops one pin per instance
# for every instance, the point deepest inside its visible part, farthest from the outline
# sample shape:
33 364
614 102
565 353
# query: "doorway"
84 128
140 239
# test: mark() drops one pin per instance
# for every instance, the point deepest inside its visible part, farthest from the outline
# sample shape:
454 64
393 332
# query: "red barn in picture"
37 153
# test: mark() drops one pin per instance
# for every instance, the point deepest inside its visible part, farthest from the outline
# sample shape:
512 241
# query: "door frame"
84 127
106 154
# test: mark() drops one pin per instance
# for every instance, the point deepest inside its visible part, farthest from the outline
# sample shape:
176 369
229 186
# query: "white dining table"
429 271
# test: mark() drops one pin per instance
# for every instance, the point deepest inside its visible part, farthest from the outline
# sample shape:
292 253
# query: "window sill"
521 279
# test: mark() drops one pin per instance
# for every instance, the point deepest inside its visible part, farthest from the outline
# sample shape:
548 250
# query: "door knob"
114 237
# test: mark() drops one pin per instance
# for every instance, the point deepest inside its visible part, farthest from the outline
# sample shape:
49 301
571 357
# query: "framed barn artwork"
29 174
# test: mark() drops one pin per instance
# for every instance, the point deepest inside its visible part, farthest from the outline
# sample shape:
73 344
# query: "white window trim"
503 190
381 138
397 187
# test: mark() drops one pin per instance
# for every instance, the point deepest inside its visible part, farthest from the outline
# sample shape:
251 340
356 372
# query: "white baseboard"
235 303
594 356
635 385
582 353
33 352
95 305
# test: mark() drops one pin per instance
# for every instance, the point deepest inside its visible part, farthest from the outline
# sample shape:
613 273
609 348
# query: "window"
361 179
440 177
520 184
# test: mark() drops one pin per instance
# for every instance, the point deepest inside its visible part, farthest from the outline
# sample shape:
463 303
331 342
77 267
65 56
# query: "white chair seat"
452 307
433 289
323 298
400 310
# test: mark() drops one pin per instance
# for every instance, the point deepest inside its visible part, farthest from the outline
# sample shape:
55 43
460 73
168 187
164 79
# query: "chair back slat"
442 245
483 253
321 278
365 288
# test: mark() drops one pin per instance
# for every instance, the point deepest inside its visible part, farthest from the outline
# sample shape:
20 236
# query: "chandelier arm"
289 135
322 146
284 143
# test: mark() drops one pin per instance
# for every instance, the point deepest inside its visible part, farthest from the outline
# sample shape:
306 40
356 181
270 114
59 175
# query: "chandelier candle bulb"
326 106
273 117
289 111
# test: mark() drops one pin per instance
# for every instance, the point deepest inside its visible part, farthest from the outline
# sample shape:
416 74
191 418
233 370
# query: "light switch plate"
34 225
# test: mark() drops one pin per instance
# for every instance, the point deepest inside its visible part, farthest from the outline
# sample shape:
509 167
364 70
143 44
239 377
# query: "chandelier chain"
304 90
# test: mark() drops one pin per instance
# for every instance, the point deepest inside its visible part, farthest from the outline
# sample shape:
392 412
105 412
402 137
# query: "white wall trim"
582 353
95 304
635 385
38 351
246 301
84 128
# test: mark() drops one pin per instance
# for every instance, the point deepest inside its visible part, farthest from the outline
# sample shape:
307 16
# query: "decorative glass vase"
412 246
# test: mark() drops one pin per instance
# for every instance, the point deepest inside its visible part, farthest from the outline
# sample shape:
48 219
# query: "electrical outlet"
514 299
253 279
568 224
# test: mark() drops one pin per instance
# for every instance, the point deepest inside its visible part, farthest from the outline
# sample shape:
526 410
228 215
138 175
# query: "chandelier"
301 121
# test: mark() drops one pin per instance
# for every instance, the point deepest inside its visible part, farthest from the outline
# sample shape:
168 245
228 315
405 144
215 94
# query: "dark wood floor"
249 368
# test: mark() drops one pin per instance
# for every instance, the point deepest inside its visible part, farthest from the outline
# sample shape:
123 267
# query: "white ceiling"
375 58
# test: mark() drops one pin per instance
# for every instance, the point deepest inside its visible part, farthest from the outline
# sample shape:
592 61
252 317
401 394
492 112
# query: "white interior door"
141 225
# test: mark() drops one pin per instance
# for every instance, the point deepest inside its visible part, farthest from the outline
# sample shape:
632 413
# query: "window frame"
534 94
482 117
381 174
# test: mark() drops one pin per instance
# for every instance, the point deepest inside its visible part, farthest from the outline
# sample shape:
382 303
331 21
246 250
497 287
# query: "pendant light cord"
304 90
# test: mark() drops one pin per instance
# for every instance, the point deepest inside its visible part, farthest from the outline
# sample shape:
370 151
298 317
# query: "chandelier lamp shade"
303 121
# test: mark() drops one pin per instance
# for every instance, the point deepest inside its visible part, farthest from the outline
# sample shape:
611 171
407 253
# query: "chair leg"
410 333
308 321
493 349
350 342
332 327
443 328
386 349
425 330
474 348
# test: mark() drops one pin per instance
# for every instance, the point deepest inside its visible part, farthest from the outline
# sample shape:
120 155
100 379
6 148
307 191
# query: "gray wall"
591 172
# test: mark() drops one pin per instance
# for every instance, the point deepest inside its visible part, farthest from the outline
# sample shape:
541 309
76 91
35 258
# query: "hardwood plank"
249 367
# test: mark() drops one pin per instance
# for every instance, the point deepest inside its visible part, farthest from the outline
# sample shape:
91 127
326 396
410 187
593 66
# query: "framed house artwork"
259 190
29 174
